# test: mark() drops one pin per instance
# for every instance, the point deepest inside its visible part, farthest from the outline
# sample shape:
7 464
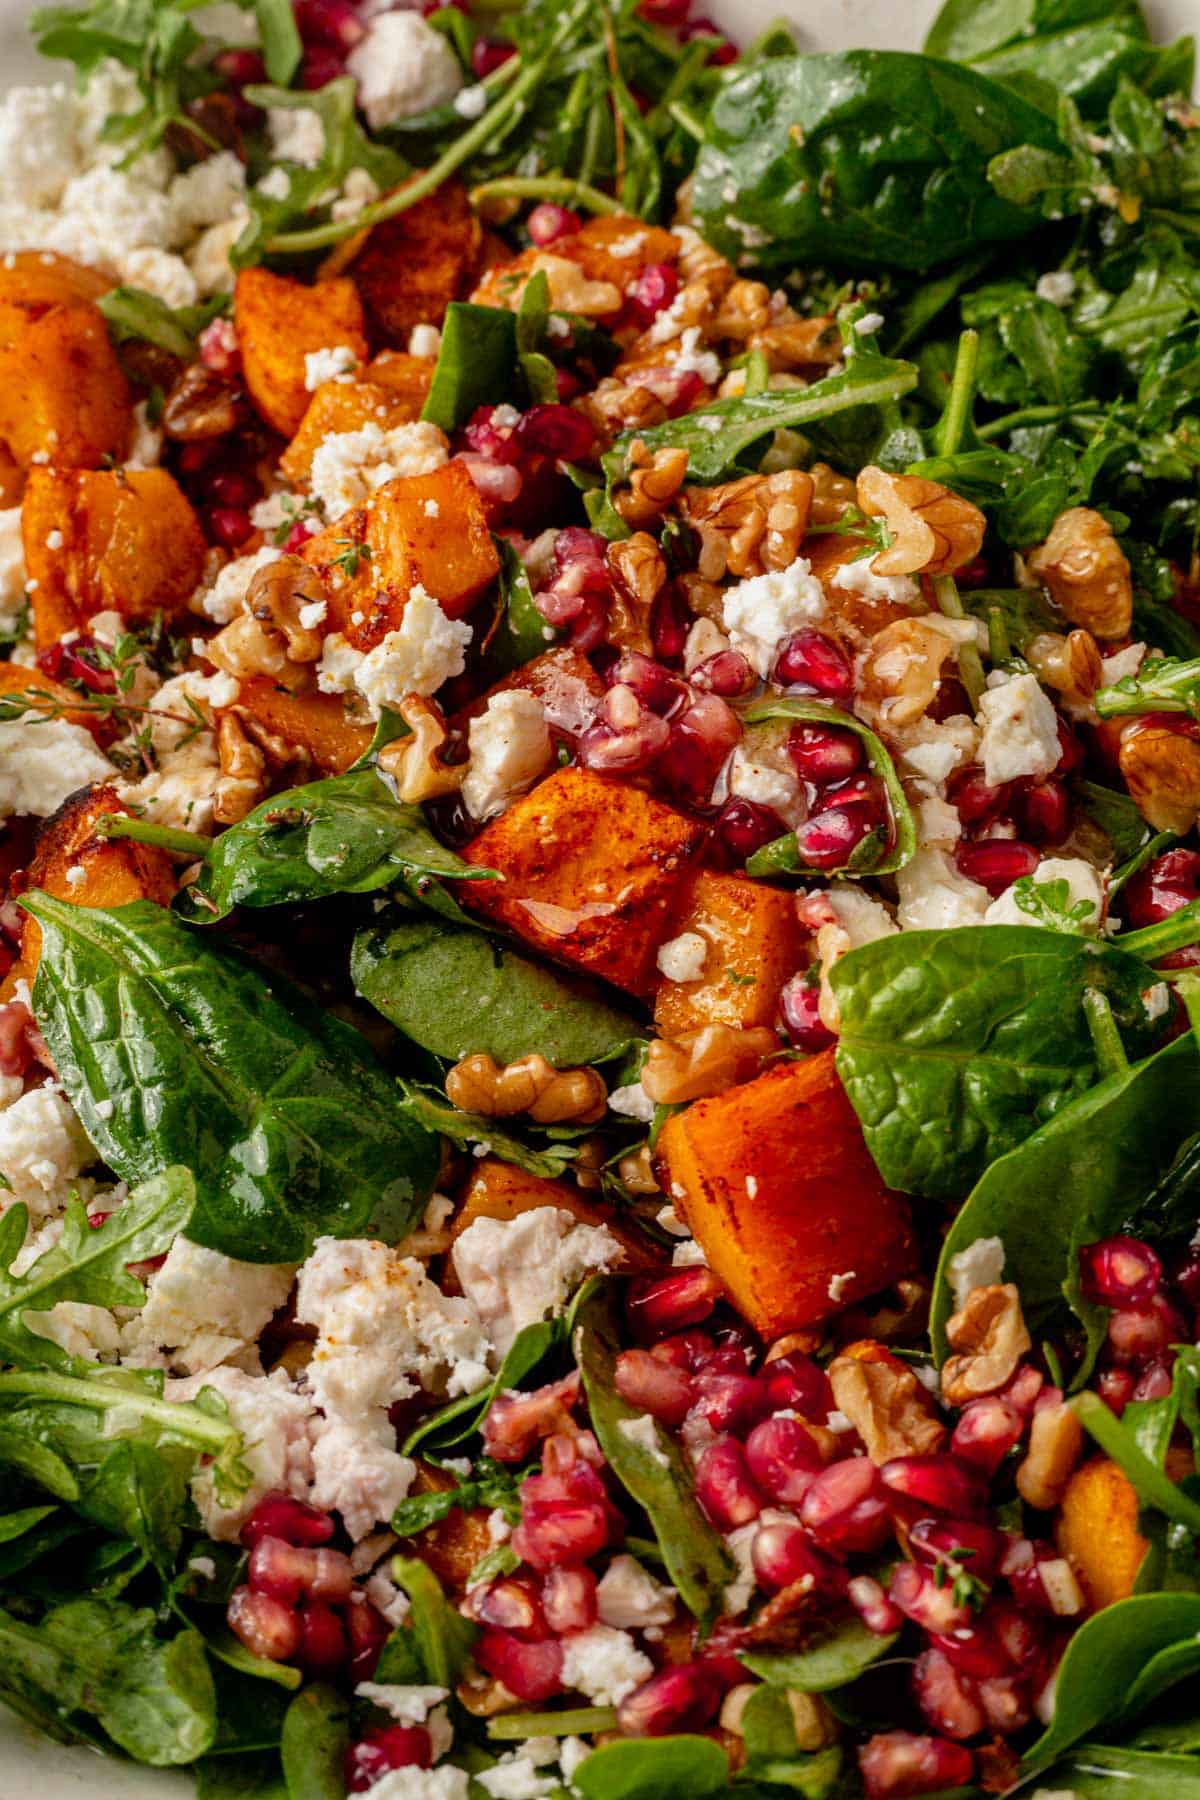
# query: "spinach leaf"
38 1463
433 1644
533 317
716 436
1098 1772
520 632
654 1473
87 1264
838 1655
490 1484
653 1769
131 312
1094 1156
316 1736
346 835
456 992
244 1776
476 365
462 1418
1082 47
880 853
773 1755
16 1524
153 1696
870 158
964 30
289 1126
477 1133
1119 817
955 1045
234 1655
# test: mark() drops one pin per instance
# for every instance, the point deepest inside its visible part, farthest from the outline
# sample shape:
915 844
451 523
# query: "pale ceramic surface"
29 1763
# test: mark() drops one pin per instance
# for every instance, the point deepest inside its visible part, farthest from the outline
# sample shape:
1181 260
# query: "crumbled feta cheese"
387 1598
205 194
348 466
76 875
1084 885
1122 663
203 1308
358 190
630 1598
407 1705
572 1751
297 135
767 783
516 1271
118 207
160 273
981 1264
689 1255
313 614
276 184
705 639
471 102
632 1102
424 340
643 1432
682 958
78 1328
208 258
358 1472
759 614
38 153
839 1283
498 1527
1020 731
515 1777
862 918
179 790
227 595
426 650
338 363
1057 286
692 359
276 1422
933 896
859 577
937 821
402 67
44 760
445 1782
604 1664
510 747
146 448
933 749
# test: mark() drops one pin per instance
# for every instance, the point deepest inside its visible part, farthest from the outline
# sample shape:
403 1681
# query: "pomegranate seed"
1042 810
783 1553
916 1591
299 535
278 1569
266 1626
378 1752
727 673
333 22
625 737
810 662
956 1544
566 385
797 1382
1139 1334
670 622
995 863
77 663
730 1401
486 57
846 1509
657 688
824 753
239 68
1020 1637
530 1671
1006 1702
218 350
1042 1581
725 1487
1185 1273
684 1350
1119 1271
295 1521
1154 1382
974 1649
683 1698
1024 1389
941 1482
489 437
783 1458
547 222
1071 752
324 1645
559 1531
1116 1388
872 1605
701 739
320 65
800 1009
668 13
944 1697
898 1764
987 1430
1162 887
976 802
662 1303
652 1385
654 289
744 826
556 431
512 1604
231 488
516 1421
830 838
229 525
569 1599
369 1632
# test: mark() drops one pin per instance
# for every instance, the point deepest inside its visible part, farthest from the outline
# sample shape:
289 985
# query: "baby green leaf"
452 1424
482 1136
476 365
653 1769
835 1657
316 1736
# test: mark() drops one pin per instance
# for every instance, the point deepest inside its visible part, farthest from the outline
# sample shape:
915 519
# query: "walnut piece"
1055 1444
1087 572
276 596
654 481
415 763
990 1335
530 1085
888 1407
902 670
242 781
750 526
1160 764
832 494
1070 665
933 531
641 573
700 1063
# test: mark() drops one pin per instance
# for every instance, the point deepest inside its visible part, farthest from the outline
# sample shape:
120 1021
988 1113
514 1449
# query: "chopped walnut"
990 1335
1055 1444
1087 572
750 526
530 1085
832 494
1160 764
888 1407
745 309
415 763
654 481
615 405
247 647
933 531
277 596
242 781
1070 665
794 343
571 290
636 1172
641 575
699 1063
698 261
901 672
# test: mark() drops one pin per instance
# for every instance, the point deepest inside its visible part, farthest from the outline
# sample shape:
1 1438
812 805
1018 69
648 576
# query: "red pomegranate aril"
320 65
624 738
974 1649
569 1599
1154 1382
369 1632
800 1010
945 1698
974 799
495 438
727 673
229 525
830 838
1041 1580
1021 1638
376 1753
670 622
797 1382
783 1458
684 1349
567 385
942 1483
1116 1387
1042 811
725 1487
877 1612
239 67
919 1596
556 431
1185 1273
1139 1334
744 826
846 1508
656 687
324 1645
487 57
559 1531
660 1303
654 1385
1072 755
264 1625
897 1765
1119 1271
1007 1703
1162 887
654 289
701 739
547 222
516 1420
995 863
232 487
333 22
511 1604
683 1698
530 1671
281 1570
1024 1389
814 663
824 753
957 1544
218 350
669 13
728 1400
986 1431
782 1553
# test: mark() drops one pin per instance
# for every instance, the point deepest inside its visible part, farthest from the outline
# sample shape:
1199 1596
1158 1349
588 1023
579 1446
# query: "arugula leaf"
1048 903
657 1477
876 855
433 1644
38 1463
479 1134
87 1264
345 835
139 1492
455 991
130 312
1162 684
520 632
1119 817
773 1755
289 1126
839 1655
1098 1771
489 1484
476 365
452 1424
316 1736
280 39
653 1769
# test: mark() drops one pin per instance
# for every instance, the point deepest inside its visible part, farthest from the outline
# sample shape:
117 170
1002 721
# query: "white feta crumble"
78 1328
517 1271
682 958
759 614
276 1422
858 577
412 1783
38 152
227 595
933 896
1122 663
297 135
146 449
471 102
408 1705
933 749
510 747
981 1264
643 1432
767 783
689 1255
402 66
604 1664
692 359
838 1285
424 340
204 1307
348 466
160 273
632 1102
1019 731
498 1528
861 917
43 761
425 651
1157 1000
515 1777
179 790
629 1598
313 614
1057 286
276 184
1085 886
338 362
205 194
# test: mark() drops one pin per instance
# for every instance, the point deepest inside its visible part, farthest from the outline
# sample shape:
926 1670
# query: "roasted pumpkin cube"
453 1545
563 680
130 541
754 944
409 268
278 322
306 726
497 1190
17 677
426 529
1098 1531
407 377
592 870
63 398
777 1185
40 279
613 249
342 406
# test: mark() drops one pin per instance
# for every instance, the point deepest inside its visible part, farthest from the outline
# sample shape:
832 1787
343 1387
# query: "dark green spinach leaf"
315 1738
838 1655
433 1644
476 365
653 1769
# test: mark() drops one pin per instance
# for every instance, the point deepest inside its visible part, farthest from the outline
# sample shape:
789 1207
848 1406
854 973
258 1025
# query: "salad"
600 928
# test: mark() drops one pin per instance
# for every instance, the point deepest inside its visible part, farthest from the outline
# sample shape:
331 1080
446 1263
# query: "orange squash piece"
40 279
563 680
453 1545
348 406
497 1190
278 322
409 268
130 541
755 944
312 725
775 1182
1098 1532
63 398
595 249
592 870
408 377
448 550
861 614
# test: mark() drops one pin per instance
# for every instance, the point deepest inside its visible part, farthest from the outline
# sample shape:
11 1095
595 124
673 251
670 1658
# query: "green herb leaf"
839 1655
131 312
521 632
476 365
433 1644
773 1755
280 39
316 1736
473 1131
442 1431
653 1769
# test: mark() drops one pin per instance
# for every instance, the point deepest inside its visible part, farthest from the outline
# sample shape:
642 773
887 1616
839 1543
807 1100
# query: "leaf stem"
686 119
573 1723
952 425
1151 1483
103 1396
970 663
544 187
1106 1039
1032 415
162 837
1174 933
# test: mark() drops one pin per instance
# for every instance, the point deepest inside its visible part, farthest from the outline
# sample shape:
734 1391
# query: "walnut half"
888 1407
991 1337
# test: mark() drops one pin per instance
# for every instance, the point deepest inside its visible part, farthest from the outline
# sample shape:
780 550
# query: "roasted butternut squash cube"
130 542
613 250
427 529
341 406
776 1184
1098 1531
453 1545
407 377
592 870
278 322
754 944
409 268
306 725
63 398
40 279
563 680
497 1190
